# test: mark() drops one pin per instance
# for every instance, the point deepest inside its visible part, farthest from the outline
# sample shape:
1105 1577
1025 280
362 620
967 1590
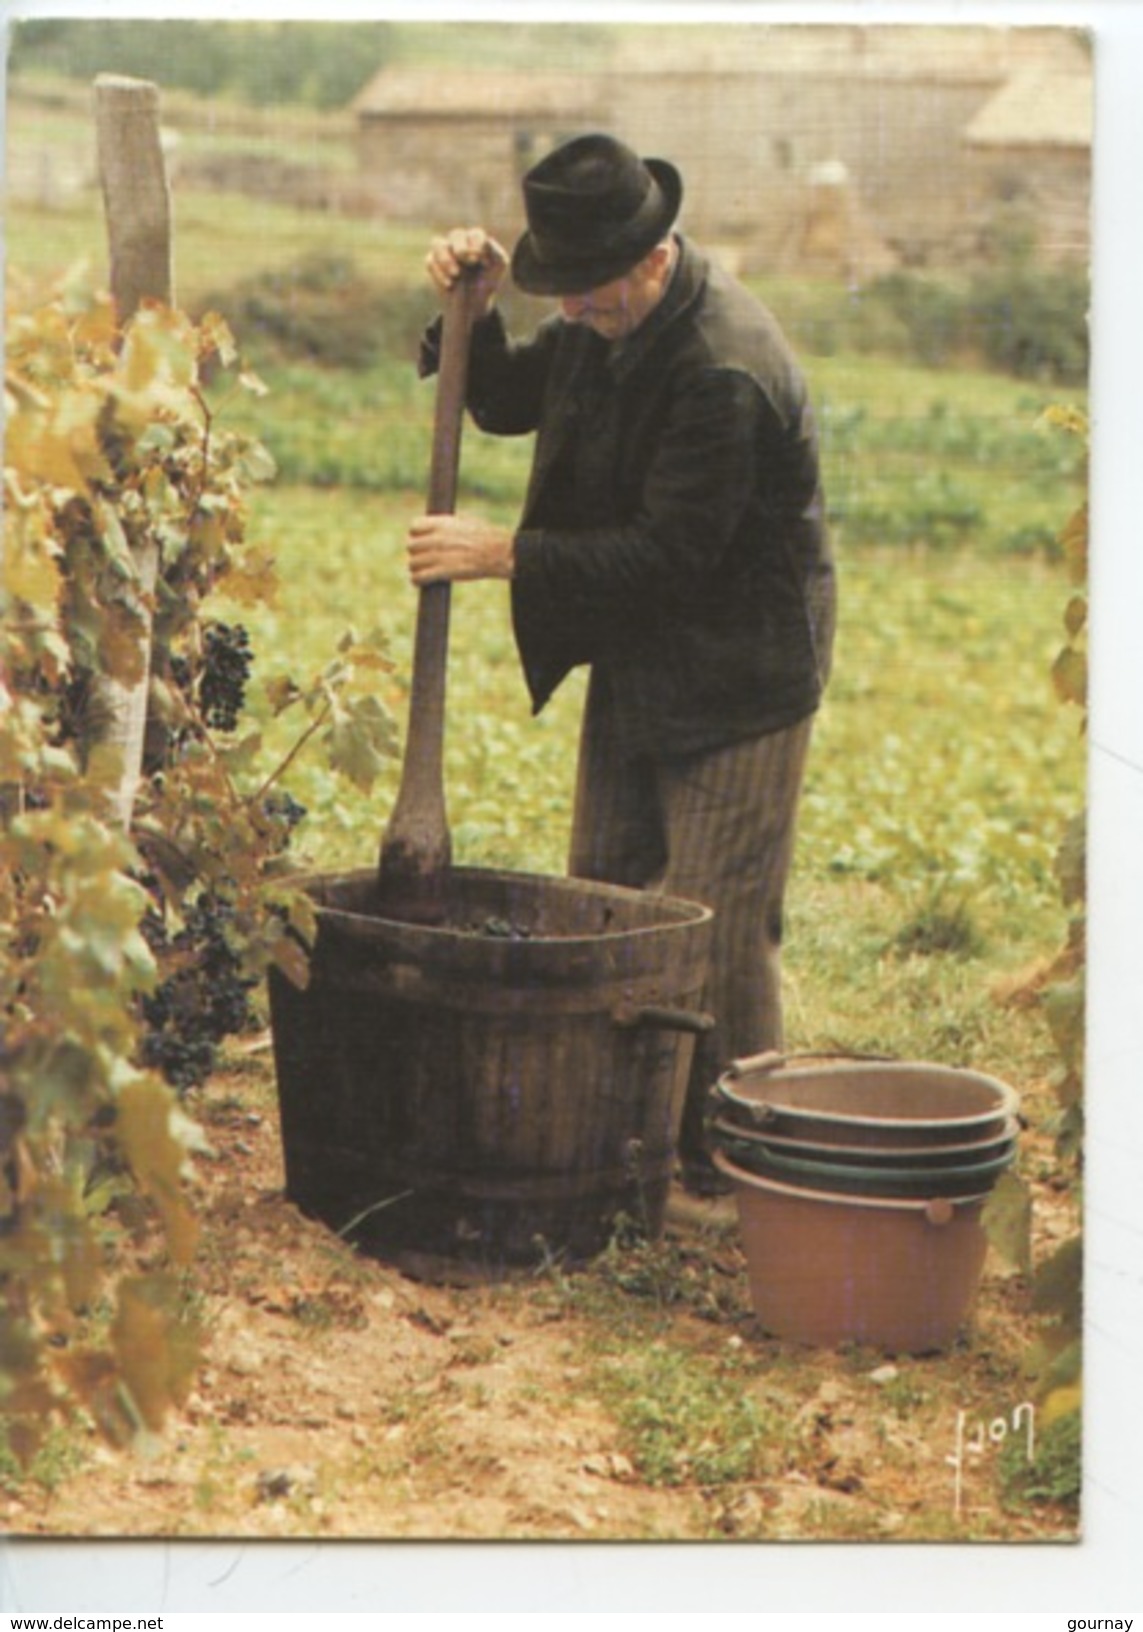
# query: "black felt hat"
594 209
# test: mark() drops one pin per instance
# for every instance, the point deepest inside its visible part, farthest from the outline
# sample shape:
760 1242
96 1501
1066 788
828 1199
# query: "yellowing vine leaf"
92 1376
81 1265
34 446
1075 615
31 562
103 767
216 339
1071 862
1061 1402
94 322
281 692
1069 676
1074 539
160 347
208 534
122 643
77 422
143 1127
303 916
156 1349
112 458
27 1400
253 579
291 959
1066 418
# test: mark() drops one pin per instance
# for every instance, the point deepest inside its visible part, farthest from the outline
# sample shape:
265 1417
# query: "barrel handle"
632 1015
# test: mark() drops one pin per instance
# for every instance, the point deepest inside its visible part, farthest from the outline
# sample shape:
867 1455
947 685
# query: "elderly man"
672 538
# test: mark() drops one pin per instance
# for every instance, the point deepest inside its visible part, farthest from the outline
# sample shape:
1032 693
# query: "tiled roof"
878 51
1036 110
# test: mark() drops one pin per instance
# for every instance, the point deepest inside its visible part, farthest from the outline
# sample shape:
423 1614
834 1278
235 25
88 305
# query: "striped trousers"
717 828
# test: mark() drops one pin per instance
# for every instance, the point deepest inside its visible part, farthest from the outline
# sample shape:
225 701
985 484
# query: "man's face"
615 309
610 310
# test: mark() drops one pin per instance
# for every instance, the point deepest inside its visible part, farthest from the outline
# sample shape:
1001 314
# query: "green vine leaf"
1007 1219
1071 862
1058 1285
1064 1008
360 739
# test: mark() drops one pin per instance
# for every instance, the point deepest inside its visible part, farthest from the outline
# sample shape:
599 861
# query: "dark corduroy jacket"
672 534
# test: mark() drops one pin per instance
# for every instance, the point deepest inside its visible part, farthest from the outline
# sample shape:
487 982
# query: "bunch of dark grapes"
204 999
284 813
226 660
284 808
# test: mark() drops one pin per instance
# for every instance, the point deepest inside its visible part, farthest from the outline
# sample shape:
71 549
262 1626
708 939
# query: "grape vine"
1058 1286
1054 1361
127 956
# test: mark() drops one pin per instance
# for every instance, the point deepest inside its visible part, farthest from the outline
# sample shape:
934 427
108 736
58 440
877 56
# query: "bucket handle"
630 1015
773 1059
760 1113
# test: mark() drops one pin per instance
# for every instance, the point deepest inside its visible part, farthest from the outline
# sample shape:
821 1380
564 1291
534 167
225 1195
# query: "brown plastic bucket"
497 1089
723 1131
887 1103
920 1181
899 1275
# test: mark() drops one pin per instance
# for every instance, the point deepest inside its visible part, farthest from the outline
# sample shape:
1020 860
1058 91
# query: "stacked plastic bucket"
860 1187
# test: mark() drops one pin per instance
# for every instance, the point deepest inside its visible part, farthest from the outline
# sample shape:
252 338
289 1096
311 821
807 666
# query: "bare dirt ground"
338 1398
